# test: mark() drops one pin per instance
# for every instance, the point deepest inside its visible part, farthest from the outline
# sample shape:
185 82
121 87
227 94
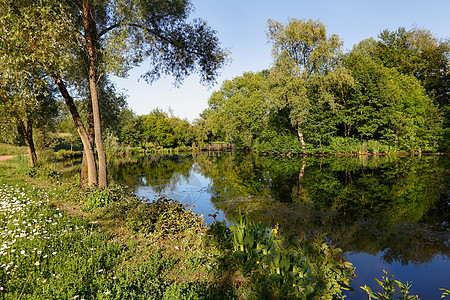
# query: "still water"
385 212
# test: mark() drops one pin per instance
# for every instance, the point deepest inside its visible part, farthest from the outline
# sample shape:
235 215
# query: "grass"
55 246
7 149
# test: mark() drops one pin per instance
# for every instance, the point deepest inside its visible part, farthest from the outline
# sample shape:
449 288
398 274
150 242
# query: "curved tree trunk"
28 135
90 35
300 136
92 170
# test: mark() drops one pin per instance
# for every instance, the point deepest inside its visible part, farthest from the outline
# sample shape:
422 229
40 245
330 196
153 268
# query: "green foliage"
389 286
419 53
342 145
56 256
164 215
44 172
276 142
62 153
8 149
61 257
196 291
306 269
377 98
143 280
236 111
101 196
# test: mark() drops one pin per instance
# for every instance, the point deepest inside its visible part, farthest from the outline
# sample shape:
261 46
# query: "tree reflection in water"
392 207
397 205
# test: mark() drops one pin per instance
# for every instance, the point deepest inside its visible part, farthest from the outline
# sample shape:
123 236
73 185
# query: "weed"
389 286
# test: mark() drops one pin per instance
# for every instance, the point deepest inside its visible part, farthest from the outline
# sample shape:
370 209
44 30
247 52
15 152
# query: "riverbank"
63 242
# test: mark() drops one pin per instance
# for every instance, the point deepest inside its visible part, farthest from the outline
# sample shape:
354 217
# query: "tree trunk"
300 136
28 135
91 138
90 35
92 170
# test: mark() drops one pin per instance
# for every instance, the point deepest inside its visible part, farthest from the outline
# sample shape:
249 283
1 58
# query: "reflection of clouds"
184 188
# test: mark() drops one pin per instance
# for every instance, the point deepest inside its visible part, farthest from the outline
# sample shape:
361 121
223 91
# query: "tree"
236 112
157 30
26 110
111 36
201 131
39 45
129 128
419 53
31 33
301 50
391 106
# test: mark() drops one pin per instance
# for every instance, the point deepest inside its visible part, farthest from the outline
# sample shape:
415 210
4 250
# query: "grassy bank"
60 241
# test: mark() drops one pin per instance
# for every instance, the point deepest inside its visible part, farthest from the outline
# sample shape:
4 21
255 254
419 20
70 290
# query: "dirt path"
6 157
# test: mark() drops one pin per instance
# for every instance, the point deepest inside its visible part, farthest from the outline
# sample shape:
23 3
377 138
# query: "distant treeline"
386 95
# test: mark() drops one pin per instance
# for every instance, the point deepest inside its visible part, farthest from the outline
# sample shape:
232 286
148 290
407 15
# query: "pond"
385 212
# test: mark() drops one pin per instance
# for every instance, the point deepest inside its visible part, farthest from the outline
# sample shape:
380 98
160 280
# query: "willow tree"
301 50
121 34
29 47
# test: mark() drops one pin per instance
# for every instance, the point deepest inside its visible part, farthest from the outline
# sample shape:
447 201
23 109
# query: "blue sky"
241 27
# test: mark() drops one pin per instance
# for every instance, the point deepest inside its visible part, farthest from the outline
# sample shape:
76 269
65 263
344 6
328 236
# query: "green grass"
7 149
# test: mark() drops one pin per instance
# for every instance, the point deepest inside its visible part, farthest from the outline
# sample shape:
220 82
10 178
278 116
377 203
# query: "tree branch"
154 32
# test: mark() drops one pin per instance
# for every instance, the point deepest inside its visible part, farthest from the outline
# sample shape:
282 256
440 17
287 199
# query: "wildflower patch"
45 253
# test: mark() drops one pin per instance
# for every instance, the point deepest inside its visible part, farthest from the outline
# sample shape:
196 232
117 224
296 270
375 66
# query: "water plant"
389 286
298 267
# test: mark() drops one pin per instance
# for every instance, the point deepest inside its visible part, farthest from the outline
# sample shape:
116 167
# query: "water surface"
385 212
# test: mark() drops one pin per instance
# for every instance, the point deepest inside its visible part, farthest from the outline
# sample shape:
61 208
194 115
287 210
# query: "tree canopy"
383 96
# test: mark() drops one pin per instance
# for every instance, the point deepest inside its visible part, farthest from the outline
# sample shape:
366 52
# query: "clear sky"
241 28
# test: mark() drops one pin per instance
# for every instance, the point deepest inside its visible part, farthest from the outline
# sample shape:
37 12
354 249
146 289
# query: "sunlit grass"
45 253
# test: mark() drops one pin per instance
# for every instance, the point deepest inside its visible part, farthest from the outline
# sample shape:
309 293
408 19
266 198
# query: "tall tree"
301 50
236 112
112 36
156 30
391 106
31 39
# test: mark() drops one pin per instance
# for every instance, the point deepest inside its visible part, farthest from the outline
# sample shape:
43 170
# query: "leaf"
445 293
379 282
249 241
369 292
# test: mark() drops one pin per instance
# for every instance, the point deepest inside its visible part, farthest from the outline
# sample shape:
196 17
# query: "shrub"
100 196
43 171
274 142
